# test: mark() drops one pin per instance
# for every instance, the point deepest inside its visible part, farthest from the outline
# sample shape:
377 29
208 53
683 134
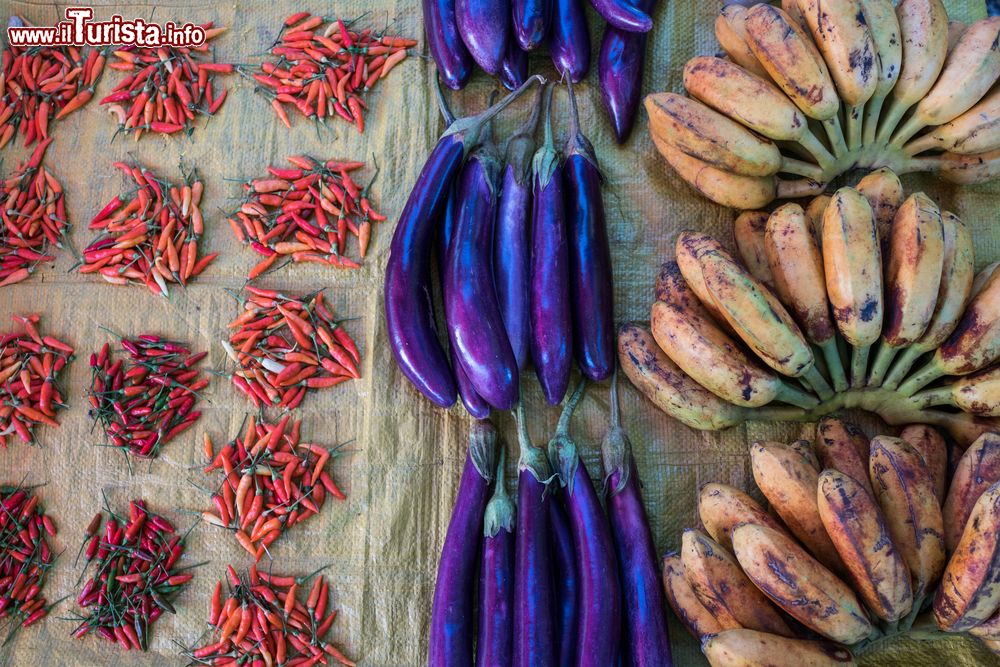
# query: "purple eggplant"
619 68
625 15
569 39
485 28
409 312
551 319
454 63
534 617
531 22
565 583
514 69
590 276
475 323
511 244
452 615
599 626
495 644
645 639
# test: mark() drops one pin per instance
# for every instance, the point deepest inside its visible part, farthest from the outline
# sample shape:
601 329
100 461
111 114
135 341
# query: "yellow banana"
731 32
884 192
955 31
905 492
722 507
689 248
749 648
814 215
710 136
964 428
804 448
933 449
977 470
841 445
789 484
975 131
983 277
748 232
670 287
978 393
855 524
681 598
852 260
799 584
668 387
963 169
969 593
720 585
970 70
884 27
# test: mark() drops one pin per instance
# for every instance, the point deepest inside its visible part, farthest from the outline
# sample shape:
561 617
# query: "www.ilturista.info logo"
79 30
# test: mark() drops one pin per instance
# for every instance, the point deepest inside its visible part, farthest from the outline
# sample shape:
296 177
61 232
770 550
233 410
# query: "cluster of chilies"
30 364
322 68
146 402
135 575
525 266
304 213
34 217
150 235
273 481
25 557
284 345
560 582
263 622
39 84
167 87
497 36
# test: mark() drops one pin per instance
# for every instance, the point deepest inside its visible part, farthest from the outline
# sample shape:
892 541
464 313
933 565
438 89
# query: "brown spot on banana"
841 32
977 470
933 450
730 30
749 648
978 393
841 445
975 342
748 232
722 507
692 614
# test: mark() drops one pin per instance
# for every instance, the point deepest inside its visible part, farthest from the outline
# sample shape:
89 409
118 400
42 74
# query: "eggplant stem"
834 365
562 427
883 358
575 112
818 383
902 366
616 420
872 112
449 117
859 366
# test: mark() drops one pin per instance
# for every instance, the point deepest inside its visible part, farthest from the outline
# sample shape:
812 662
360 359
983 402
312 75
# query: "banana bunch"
862 540
866 298
811 89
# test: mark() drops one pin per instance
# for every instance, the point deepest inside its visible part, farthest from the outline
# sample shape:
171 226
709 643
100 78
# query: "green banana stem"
920 379
902 366
859 366
931 397
855 124
891 121
834 365
793 396
910 128
816 148
872 112
800 168
883 358
836 135
819 384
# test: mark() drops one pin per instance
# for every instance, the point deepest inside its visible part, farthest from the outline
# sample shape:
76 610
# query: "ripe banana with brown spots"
934 451
969 593
989 630
670 287
804 448
723 589
750 648
814 215
668 387
858 531
955 31
977 470
799 584
789 484
722 507
842 446
748 232
689 248
905 492
730 30
962 169
692 614
975 131
979 282
884 192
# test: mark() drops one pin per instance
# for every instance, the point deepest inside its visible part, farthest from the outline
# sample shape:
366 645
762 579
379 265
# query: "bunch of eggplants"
560 581
523 262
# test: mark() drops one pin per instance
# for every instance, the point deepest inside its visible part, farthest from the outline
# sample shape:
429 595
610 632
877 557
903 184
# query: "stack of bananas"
863 541
813 320
812 89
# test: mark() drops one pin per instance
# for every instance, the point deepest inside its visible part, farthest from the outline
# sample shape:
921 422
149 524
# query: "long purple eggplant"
454 63
475 323
534 617
600 597
485 27
625 15
531 22
495 643
590 276
512 241
619 68
646 642
409 312
514 69
569 39
452 615
551 319
565 583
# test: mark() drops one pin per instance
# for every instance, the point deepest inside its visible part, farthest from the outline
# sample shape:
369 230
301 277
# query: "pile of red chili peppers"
145 403
150 234
25 557
272 482
323 68
34 216
263 622
166 88
134 578
38 84
284 345
304 213
30 364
